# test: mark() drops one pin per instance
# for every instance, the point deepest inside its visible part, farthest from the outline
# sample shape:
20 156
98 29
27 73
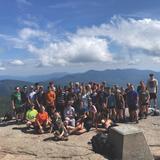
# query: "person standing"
132 103
152 86
16 101
50 100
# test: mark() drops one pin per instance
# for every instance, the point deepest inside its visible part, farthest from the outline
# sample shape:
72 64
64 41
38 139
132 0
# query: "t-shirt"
152 85
69 112
132 98
31 96
16 97
50 97
42 117
31 114
143 96
111 100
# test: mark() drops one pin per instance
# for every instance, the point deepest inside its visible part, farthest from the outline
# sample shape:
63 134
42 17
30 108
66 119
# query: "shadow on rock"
25 130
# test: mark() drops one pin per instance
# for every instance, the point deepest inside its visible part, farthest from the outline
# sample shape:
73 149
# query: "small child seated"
58 128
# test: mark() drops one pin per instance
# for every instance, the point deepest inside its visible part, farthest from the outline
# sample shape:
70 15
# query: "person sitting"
92 114
79 127
69 115
42 120
31 116
58 128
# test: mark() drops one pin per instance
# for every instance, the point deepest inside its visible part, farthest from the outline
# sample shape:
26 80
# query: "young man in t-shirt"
152 86
132 103
16 101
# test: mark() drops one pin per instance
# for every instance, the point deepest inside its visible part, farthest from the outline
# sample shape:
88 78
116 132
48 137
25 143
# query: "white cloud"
28 23
156 59
141 34
17 62
92 44
28 33
75 50
134 61
24 2
2 68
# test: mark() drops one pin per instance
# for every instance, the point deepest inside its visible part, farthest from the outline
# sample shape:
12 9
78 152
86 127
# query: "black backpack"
100 143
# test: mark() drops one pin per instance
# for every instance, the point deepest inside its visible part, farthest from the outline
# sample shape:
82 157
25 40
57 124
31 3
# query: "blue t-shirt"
111 100
132 98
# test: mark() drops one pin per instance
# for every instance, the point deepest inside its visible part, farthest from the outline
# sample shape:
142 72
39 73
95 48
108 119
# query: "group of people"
75 108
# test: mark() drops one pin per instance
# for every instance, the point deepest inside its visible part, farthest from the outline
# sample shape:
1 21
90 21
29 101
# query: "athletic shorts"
133 107
111 107
153 95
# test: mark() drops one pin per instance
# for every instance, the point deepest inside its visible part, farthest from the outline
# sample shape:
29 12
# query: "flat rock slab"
129 143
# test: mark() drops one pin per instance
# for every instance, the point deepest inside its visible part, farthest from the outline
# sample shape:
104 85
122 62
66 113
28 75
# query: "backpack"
100 143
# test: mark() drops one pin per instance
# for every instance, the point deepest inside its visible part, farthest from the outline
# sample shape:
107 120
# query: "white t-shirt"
69 112
152 85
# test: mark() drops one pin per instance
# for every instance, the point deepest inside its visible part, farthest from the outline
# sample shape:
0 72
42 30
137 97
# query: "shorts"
111 107
144 104
19 110
70 122
133 107
153 95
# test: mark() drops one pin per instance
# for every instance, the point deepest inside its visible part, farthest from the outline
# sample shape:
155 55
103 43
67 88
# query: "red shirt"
42 117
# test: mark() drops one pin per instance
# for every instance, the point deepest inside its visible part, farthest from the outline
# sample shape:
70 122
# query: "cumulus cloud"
93 44
75 50
143 34
17 62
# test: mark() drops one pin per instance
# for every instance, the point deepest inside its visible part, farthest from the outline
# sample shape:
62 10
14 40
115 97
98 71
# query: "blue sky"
46 36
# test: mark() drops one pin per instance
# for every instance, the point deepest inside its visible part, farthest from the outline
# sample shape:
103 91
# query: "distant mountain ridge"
34 78
117 76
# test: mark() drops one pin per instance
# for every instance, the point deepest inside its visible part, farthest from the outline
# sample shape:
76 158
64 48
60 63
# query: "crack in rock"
19 153
67 157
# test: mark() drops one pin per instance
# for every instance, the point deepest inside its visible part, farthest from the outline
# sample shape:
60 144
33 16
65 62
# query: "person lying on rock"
42 120
79 127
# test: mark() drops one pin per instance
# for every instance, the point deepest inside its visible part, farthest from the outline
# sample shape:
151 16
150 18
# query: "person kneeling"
42 120
31 116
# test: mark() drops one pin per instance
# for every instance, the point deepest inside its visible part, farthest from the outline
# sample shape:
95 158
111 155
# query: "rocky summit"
16 143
